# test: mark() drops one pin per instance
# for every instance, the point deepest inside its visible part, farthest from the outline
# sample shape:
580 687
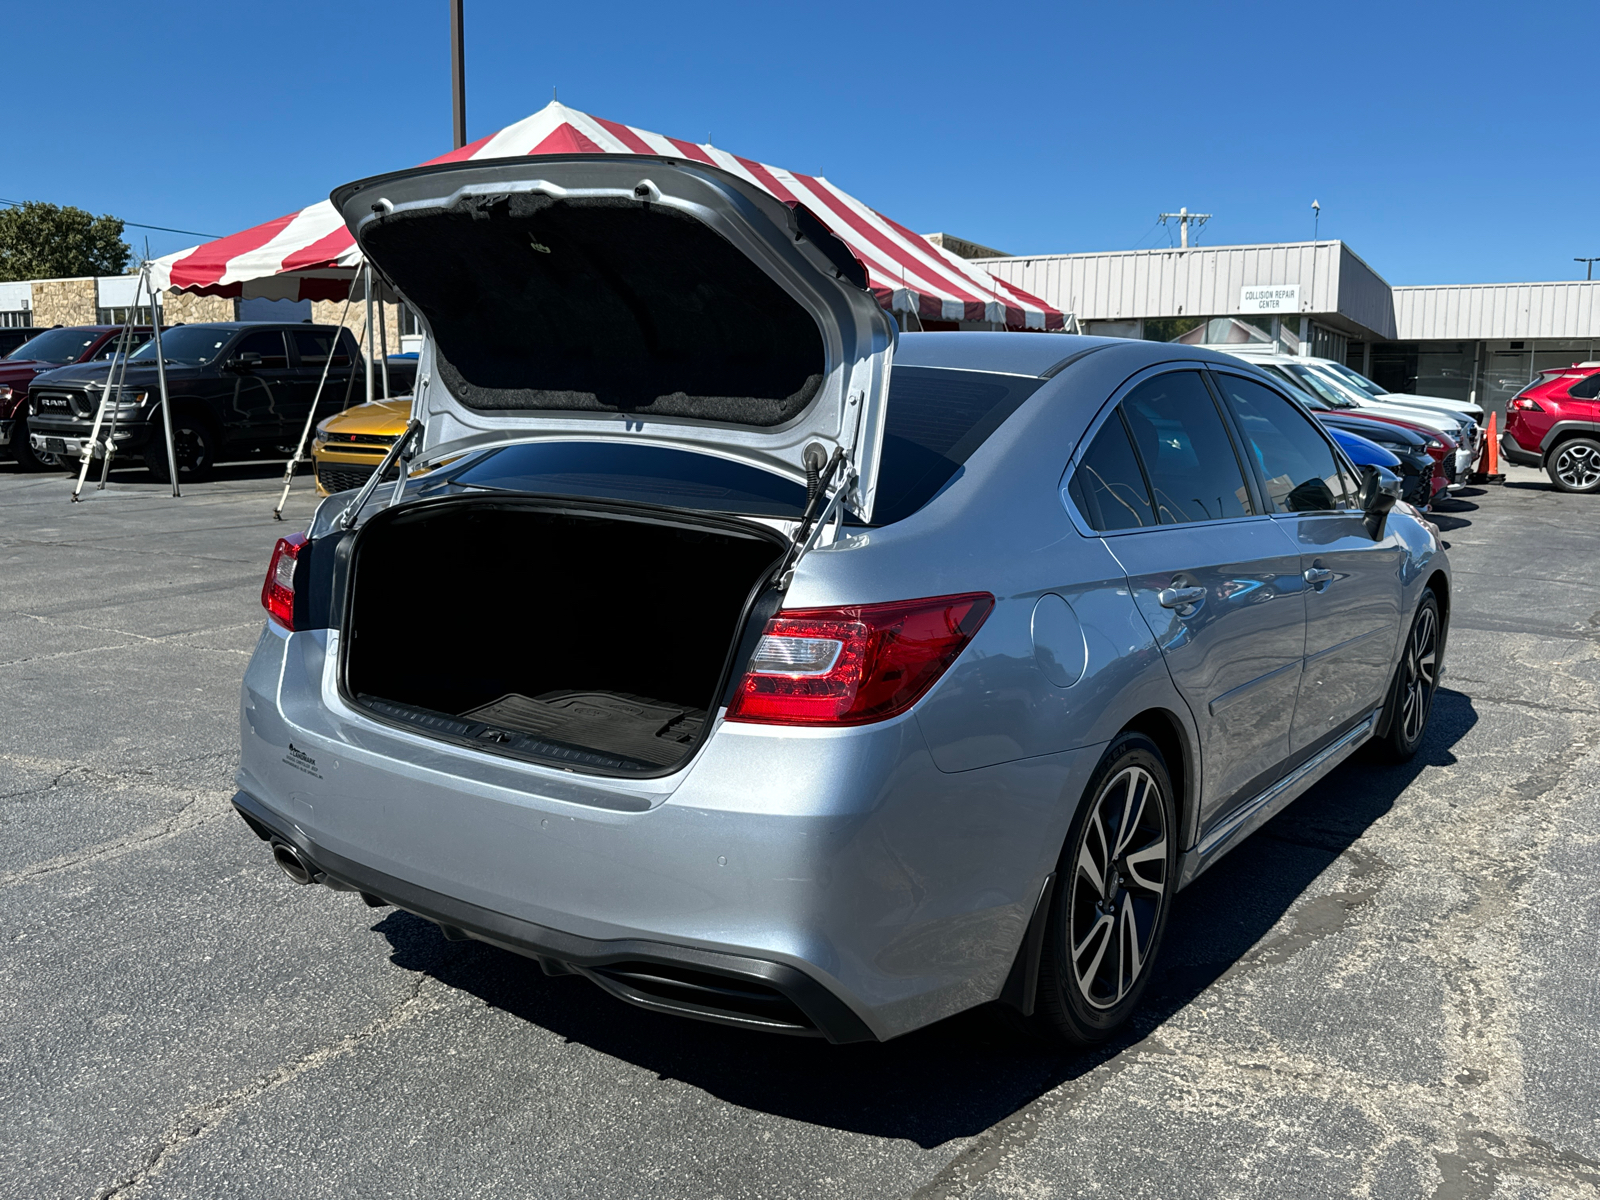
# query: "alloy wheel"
1119 886
1421 675
1578 467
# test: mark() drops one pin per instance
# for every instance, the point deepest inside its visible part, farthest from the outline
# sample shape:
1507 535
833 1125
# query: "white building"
1481 341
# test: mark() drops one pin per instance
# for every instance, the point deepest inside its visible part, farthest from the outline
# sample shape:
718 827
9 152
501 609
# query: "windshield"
1323 387
59 346
192 345
1356 379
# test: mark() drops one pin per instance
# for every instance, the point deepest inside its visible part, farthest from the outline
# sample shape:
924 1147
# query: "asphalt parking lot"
1393 990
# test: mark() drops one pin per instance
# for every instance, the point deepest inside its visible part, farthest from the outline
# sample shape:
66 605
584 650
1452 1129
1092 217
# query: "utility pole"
1183 217
458 73
1590 262
1316 220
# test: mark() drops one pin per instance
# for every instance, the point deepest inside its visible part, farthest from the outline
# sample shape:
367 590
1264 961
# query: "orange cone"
1489 461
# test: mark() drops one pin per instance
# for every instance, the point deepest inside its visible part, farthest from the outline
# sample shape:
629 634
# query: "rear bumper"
890 893
1515 453
681 980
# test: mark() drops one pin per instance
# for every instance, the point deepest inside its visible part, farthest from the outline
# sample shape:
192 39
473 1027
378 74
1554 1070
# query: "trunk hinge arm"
840 474
400 450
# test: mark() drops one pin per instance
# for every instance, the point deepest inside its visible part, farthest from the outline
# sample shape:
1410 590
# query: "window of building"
119 316
1186 451
19 318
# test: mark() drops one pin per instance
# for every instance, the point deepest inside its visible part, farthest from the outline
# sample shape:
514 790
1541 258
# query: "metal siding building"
1478 341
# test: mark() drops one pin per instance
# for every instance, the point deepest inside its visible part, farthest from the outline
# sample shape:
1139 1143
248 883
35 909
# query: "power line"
135 224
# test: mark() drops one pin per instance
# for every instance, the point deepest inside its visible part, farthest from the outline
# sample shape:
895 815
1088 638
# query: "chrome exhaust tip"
291 864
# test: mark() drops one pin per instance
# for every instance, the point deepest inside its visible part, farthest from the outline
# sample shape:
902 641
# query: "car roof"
253 325
1010 353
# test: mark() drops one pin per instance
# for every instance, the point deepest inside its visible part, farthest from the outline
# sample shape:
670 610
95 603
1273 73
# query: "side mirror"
1380 488
239 366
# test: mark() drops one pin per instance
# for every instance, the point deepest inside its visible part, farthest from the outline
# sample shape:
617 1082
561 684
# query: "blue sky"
1447 143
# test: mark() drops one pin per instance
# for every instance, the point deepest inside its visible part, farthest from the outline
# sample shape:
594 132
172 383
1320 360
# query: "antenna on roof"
1183 217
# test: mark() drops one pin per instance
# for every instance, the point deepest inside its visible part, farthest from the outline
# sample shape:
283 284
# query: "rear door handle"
1180 597
1317 576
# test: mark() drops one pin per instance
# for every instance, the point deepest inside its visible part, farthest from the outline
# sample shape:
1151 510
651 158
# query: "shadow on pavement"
962 1076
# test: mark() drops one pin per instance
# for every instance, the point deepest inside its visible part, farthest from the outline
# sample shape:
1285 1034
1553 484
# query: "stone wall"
64 302
186 308
326 312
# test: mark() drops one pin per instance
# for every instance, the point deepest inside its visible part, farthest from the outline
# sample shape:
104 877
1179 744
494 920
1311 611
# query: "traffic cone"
1489 460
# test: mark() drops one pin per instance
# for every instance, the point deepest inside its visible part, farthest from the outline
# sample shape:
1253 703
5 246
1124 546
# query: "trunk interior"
595 642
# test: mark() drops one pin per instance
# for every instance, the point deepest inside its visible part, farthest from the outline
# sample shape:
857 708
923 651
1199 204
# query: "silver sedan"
767 666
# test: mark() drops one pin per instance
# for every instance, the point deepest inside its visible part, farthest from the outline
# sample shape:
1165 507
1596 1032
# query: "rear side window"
1586 389
263 349
1299 468
937 418
1184 446
312 346
1108 487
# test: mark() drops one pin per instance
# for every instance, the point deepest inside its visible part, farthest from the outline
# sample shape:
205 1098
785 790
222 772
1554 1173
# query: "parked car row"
238 390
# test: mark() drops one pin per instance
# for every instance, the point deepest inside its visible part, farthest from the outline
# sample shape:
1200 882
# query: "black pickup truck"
238 390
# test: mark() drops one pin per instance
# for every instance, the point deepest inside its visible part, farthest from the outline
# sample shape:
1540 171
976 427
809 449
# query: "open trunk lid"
634 298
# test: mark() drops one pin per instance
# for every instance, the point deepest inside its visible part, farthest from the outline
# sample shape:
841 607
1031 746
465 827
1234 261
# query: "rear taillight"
852 665
1527 405
277 593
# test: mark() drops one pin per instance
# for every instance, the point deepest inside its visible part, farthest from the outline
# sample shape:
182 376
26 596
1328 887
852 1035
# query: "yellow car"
350 444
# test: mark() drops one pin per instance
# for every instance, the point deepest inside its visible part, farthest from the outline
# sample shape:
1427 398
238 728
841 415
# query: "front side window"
1186 451
1107 487
1301 472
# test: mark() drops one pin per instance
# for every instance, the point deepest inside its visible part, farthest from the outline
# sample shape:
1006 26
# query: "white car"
1454 417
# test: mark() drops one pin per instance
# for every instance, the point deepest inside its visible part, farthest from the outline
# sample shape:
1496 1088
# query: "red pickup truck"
53 348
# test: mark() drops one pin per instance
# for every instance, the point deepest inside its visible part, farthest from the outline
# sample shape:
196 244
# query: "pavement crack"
203 1119
190 815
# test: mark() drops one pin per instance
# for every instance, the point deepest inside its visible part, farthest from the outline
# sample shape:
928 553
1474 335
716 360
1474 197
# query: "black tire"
1574 465
23 451
195 446
1105 926
1416 680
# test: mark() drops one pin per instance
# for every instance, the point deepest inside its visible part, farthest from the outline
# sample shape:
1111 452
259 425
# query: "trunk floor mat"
651 731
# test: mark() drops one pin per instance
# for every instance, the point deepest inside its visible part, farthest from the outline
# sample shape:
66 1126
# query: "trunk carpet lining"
633 726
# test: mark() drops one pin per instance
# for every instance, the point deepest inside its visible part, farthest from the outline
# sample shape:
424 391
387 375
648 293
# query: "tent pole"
119 360
161 379
383 344
300 449
367 289
86 452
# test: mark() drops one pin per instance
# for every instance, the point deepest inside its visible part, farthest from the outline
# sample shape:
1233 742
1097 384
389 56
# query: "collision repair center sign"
1283 297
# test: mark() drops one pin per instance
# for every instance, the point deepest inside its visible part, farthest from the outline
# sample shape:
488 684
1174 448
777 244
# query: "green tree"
48 241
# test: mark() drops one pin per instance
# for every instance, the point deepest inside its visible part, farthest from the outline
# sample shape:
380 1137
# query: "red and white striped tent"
310 255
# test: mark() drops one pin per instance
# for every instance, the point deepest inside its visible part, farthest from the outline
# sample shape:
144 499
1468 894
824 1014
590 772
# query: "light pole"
458 74
1590 262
